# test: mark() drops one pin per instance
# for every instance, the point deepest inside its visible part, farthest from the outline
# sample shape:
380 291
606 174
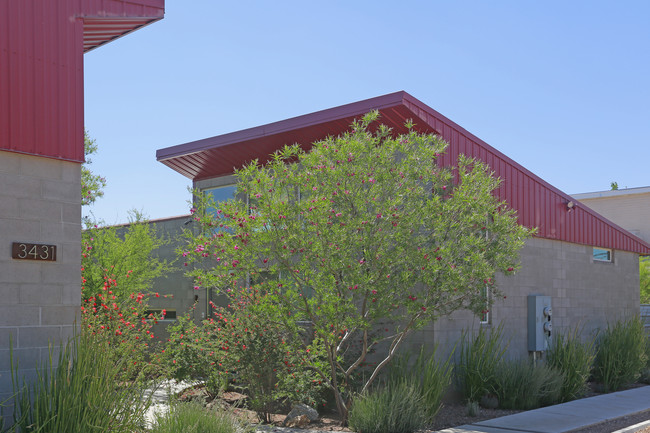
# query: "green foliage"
644 279
92 185
524 385
123 254
117 272
395 408
193 418
247 348
84 394
363 227
614 186
187 351
479 360
621 354
575 359
430 377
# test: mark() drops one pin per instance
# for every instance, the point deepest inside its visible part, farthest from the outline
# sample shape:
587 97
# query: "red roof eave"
538 203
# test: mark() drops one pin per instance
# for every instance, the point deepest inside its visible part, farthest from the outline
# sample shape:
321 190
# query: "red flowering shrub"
363 228
246 348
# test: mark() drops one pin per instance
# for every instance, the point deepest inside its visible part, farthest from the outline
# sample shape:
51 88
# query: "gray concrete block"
18 315
61 273
8 207
59 315
38 336
44 168
39 209
40 294
63 191
10 294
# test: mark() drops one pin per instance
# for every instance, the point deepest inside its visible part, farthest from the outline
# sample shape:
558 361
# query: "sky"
563 88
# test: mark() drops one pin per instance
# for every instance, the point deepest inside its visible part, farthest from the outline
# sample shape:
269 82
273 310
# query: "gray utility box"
539 323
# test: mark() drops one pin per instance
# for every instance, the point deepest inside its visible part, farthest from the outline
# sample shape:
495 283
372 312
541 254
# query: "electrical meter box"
540 327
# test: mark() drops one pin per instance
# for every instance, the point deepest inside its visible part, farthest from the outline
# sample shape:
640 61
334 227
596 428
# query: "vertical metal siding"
41 71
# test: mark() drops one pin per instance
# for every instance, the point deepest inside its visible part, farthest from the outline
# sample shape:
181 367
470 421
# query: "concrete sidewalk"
567 416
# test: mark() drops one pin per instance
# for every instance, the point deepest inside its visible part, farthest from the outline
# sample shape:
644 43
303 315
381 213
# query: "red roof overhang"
100 31
538 203
117 18
218 156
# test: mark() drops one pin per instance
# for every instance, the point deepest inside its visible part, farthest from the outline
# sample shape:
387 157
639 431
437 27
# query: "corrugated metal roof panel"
41 67
537 203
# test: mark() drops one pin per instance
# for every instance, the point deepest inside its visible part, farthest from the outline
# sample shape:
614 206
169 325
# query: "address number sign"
26 251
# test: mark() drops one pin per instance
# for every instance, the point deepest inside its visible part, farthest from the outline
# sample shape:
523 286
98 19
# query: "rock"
303 409
298 421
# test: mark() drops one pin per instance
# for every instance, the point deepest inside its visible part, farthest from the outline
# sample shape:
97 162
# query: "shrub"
621 354
395 408
479 359
575 360
248 349
524 385
83 394
427 375
193 418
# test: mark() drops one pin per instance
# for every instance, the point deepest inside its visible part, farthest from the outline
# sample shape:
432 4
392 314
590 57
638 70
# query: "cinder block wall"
583 293
40 202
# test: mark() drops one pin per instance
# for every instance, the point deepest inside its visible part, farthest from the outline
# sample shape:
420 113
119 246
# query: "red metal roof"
41 67
538 203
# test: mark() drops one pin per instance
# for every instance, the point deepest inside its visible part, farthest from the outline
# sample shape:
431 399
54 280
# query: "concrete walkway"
567 416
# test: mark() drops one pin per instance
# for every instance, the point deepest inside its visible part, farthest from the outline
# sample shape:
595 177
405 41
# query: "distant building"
629 208
585 266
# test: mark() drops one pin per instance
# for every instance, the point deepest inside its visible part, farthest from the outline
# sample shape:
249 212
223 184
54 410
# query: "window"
602 255
221 194
170 314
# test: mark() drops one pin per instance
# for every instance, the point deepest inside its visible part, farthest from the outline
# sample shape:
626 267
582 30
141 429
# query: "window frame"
608 251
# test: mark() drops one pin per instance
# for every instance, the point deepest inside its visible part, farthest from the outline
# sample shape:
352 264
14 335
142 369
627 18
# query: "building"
41 151
584 265
629 208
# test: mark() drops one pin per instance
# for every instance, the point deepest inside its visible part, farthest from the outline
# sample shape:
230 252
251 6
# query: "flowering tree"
363 229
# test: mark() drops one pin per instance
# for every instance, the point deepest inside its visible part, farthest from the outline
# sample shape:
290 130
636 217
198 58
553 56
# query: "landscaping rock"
298 421
303 409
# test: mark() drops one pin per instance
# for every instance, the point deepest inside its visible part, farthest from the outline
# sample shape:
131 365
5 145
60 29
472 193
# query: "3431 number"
27 251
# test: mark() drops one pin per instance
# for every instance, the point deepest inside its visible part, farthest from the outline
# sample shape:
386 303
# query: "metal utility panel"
540 327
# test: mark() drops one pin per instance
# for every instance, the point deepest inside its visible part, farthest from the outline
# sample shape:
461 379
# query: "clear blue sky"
562 87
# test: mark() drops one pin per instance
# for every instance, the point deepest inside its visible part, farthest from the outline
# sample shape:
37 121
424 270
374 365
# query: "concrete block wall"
583 293
40 202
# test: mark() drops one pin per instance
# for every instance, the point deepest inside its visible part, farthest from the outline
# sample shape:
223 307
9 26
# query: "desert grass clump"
193 418
524 385
621 354
575 359
427 374
478 362
394 408
81 394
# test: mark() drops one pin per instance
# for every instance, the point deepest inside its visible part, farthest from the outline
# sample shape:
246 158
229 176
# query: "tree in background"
364 233
92 185
644 278
124 254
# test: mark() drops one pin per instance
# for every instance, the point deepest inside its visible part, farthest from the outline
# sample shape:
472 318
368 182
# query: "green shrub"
426 374
193 418
524 385
575 360
83 394
621 354
396 408
479 359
